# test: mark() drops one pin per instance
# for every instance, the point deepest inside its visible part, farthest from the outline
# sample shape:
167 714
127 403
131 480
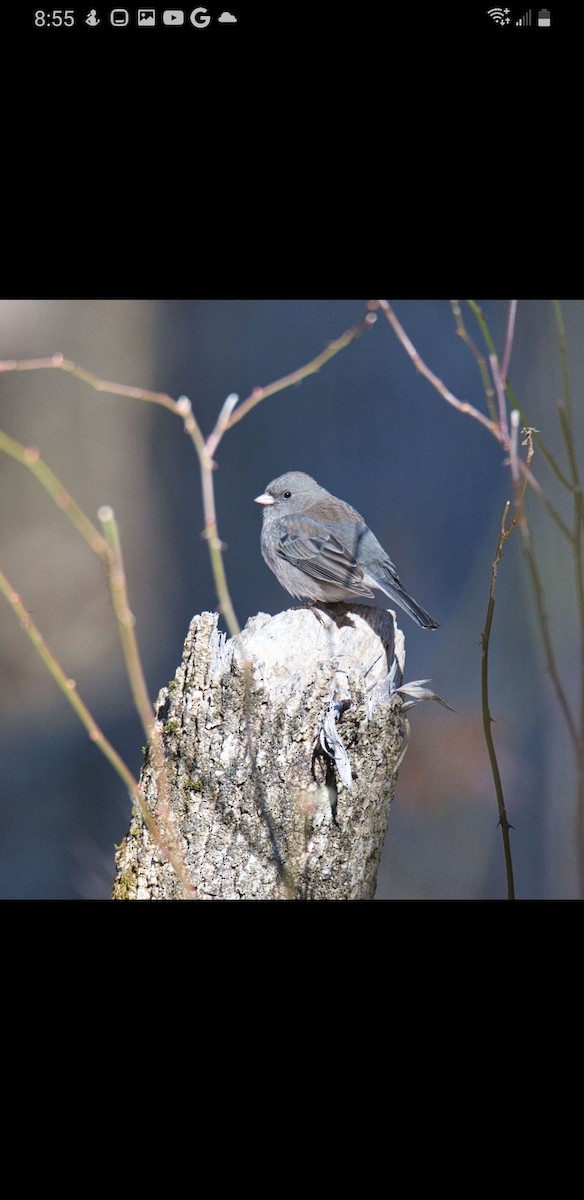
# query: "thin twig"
61 363
420 365
462 406
489 393
69 690
109 548
538 590
311 368
521 476
181 408
211 533
231 412
564 361
126 626
504 533
542 614
126 619
544 627
501 398
478 357
205 448
513 444
222 423
549 507
504 371
565 413
30 457
109 551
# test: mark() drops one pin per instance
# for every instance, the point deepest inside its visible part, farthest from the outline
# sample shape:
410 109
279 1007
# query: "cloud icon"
227 16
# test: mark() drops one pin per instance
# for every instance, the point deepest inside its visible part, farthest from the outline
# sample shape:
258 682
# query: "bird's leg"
312 605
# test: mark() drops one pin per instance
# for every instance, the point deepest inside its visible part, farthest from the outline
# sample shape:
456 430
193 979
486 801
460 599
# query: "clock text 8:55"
59 16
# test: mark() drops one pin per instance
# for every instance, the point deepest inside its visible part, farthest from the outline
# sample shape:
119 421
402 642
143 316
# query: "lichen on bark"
281 750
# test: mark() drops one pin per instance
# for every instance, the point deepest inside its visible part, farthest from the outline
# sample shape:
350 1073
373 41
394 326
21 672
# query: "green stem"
544 629
30 458
69 690
478 357
126 620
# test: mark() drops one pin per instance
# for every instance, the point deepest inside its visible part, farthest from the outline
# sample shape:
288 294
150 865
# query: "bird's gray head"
289 493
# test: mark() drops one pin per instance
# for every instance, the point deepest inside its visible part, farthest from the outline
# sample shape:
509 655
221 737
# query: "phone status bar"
140 18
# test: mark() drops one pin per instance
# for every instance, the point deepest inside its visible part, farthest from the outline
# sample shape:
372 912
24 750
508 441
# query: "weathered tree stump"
282 747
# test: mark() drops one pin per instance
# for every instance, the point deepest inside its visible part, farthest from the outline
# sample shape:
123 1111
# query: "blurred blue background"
431 483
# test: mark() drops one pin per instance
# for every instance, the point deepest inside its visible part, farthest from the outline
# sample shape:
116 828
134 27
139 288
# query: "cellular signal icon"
500 16
524 20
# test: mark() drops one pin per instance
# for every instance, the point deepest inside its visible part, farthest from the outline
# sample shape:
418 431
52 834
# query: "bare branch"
504 370
69 690
461 405
311 368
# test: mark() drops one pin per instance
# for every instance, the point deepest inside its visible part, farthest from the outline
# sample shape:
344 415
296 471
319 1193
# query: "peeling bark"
282 747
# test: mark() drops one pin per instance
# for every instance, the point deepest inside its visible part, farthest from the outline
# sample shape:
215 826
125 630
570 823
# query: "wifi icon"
500 16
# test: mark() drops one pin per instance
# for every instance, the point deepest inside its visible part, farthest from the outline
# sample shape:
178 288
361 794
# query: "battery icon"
543 17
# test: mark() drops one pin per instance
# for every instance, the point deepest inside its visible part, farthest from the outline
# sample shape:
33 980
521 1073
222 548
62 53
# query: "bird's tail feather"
418 614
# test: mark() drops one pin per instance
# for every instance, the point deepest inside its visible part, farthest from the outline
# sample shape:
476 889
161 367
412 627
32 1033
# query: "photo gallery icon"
146 17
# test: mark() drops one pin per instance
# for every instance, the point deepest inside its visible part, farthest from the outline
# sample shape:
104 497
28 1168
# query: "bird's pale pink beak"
265 498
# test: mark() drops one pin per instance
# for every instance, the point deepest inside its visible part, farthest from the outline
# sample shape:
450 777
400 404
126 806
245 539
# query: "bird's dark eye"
287 495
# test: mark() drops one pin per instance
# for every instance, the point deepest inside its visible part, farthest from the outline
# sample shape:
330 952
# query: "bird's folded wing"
321 555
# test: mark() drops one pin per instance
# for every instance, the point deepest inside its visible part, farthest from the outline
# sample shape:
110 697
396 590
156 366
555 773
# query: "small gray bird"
320 548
